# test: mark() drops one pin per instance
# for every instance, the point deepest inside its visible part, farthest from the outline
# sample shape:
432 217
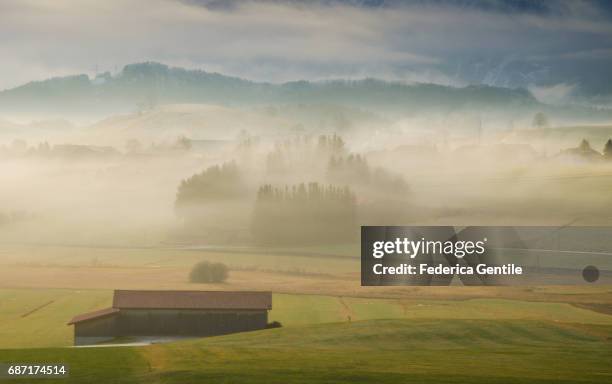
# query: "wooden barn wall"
143 322
160 322
104 326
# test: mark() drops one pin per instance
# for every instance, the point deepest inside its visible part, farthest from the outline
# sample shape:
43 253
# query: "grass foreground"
381 351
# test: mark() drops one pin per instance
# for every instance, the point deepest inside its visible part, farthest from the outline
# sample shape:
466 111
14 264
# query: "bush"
274 324
207 272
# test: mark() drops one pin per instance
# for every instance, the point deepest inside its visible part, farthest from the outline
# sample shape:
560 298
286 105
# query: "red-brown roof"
124 299
93 315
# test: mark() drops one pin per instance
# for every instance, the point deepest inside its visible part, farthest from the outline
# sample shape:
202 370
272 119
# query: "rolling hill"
142 85
382 351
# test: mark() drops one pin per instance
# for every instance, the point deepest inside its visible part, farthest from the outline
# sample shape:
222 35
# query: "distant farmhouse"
151 314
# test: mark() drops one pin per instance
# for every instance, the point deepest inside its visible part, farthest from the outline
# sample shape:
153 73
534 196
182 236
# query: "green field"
381 351
334 331
37 318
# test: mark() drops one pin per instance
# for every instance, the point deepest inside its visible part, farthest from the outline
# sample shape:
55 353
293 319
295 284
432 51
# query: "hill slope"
381 351
147 84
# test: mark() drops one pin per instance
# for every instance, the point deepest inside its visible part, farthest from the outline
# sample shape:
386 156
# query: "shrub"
207 272
274 324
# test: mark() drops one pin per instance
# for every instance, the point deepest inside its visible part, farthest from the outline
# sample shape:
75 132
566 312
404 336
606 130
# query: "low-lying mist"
292 175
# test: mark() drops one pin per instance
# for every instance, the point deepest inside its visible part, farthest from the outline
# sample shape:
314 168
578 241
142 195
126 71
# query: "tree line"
304 214
217 182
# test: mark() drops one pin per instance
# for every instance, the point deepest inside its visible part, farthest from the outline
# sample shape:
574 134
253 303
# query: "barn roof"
124 299
93 315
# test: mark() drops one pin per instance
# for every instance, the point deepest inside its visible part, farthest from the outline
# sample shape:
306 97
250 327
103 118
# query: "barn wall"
103 326
95 330
166 322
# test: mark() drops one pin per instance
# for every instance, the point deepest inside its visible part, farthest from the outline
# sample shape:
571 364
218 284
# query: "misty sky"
555 48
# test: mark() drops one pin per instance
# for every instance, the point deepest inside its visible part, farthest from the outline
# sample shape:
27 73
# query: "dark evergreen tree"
584 146
303 153
304 214
540 120
215 183
354 170
607 151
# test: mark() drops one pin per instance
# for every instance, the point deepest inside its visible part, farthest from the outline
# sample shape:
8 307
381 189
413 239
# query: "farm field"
107 268
334 331
336 259
37 318
382 351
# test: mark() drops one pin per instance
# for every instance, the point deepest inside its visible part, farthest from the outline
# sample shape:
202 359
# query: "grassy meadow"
37 318
382 351
334 330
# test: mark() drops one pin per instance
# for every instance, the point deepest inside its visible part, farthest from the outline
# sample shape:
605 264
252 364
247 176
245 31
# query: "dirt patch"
347 312
156 357
37 308
595 307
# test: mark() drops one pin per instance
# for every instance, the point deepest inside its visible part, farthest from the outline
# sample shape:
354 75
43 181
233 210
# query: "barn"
169 314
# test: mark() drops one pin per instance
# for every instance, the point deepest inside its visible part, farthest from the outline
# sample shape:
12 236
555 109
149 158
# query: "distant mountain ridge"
144 85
